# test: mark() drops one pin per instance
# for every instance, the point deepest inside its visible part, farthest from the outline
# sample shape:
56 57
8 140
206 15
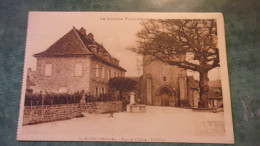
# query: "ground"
156 122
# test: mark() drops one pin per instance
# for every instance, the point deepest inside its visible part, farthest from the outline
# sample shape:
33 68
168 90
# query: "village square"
78 87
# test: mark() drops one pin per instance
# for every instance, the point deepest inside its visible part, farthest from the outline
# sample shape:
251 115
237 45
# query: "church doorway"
166 96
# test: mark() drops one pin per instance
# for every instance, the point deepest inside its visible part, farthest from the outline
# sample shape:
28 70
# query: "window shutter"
78 69
48 69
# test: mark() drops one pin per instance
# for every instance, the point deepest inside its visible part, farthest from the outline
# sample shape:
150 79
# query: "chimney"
82 30
91 36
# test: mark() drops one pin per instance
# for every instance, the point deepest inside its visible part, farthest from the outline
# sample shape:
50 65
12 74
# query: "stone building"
74 63
215 94
163 84
166 85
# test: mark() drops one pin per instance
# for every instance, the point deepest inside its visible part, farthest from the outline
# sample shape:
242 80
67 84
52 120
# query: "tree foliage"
186 43
122 84
32 99
167 40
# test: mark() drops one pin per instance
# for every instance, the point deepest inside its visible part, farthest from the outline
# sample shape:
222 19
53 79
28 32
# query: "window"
63 90
96 91
48 69
103 91
97 72
164 78
109 74
103 72
112 75
78 70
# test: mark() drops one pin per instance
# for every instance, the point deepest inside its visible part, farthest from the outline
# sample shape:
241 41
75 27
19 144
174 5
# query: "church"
74 63
167 85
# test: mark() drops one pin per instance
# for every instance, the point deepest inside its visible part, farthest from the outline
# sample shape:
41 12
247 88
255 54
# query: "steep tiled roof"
75 43
87 41
108 63
72 43
69 44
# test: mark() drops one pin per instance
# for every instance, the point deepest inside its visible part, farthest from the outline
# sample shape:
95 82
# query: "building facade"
74 63
167 85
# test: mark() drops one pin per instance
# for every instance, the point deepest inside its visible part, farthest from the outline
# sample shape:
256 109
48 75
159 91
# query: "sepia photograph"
125 77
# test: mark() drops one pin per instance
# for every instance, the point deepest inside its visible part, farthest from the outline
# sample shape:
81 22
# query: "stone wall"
62 76
47 113
103 107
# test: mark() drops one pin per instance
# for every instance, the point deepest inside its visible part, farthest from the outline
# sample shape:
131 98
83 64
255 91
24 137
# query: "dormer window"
91 36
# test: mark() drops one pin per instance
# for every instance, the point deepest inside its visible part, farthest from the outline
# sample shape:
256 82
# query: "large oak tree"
167 40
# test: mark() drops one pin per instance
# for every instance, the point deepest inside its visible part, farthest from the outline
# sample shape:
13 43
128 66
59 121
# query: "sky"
116 31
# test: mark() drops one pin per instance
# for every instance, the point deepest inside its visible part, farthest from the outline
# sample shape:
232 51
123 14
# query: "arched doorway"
166 96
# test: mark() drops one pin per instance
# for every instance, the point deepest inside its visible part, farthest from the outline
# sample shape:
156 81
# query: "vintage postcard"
125 77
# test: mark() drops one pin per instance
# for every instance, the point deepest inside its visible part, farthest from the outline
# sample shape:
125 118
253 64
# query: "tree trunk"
204 88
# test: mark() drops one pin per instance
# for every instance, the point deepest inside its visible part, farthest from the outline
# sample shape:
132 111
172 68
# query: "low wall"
48 113
103 107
